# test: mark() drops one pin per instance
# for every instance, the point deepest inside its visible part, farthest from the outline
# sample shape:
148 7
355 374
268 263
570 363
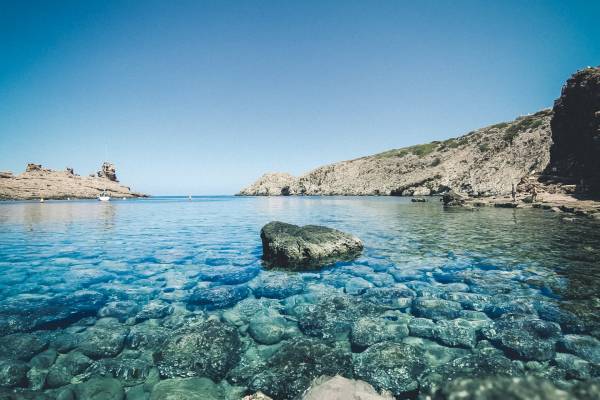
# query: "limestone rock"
292 247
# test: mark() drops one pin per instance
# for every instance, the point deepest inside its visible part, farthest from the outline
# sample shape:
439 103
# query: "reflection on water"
143 291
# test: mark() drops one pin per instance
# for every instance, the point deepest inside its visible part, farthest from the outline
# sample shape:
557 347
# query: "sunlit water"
149 291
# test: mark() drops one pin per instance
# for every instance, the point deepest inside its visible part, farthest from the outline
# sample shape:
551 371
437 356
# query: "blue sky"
204 96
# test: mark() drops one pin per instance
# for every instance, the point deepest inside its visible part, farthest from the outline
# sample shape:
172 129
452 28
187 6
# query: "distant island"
556 151
38 182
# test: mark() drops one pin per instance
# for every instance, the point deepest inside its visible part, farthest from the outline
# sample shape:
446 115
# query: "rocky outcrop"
38 182
293 247
108 171
575 153
487 161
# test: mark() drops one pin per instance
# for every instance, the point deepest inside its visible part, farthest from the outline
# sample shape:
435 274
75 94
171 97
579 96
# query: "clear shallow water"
130 296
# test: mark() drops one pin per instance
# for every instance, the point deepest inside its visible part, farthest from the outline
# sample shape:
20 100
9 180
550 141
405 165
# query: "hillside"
484 162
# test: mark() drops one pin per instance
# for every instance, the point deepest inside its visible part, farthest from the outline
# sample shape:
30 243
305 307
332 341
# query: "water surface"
131 296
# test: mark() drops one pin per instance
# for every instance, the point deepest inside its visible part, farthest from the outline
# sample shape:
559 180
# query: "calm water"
147 297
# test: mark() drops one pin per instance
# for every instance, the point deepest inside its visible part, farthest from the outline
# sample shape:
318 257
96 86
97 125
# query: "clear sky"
203 97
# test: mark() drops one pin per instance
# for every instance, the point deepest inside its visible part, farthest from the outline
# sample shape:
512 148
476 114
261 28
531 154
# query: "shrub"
483 147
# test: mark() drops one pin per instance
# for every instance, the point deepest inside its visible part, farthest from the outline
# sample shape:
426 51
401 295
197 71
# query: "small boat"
104 196
41 200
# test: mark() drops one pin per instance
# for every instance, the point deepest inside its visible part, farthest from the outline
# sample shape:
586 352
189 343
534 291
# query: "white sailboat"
104 196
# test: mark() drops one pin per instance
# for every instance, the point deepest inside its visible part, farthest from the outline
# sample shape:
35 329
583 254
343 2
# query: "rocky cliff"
575 153
38 182
549 149
487 161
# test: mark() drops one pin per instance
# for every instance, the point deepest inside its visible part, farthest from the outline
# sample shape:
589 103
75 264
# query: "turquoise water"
129 297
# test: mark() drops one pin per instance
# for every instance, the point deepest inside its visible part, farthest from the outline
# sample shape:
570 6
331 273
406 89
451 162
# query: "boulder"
186 389
210 349
390 366
453 198
524 336
293 247
290 371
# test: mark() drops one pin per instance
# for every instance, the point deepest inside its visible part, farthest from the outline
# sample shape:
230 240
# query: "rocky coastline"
38 182
550 159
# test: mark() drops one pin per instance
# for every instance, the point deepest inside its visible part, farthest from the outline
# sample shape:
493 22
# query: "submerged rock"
218 296
186 389
22 346
13 373
208 349
100 389
586 347
290 371
436 309
524 337
103 341
293 247
529 387
278 285
470 366
66 367
368 331
332 316
391 366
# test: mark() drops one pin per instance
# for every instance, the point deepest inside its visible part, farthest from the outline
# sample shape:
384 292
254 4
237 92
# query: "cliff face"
575 154
38 182
484 162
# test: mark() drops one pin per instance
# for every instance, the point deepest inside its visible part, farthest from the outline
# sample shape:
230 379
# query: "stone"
100 389
568 321
394 367
584 346
146 336
119 309
340 388
130 371
453 198
436 309
357 286
187 389
368 331
66 367
22 346
574 367
293 247
267 329
456 333
290 371
154 309
397 297
13 373
228 274
218 296
278 285
209 349
332 316
474 365
524 337
103 341
492 388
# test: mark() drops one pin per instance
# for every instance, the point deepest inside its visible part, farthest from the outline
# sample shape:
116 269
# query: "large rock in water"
575 153
293 247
